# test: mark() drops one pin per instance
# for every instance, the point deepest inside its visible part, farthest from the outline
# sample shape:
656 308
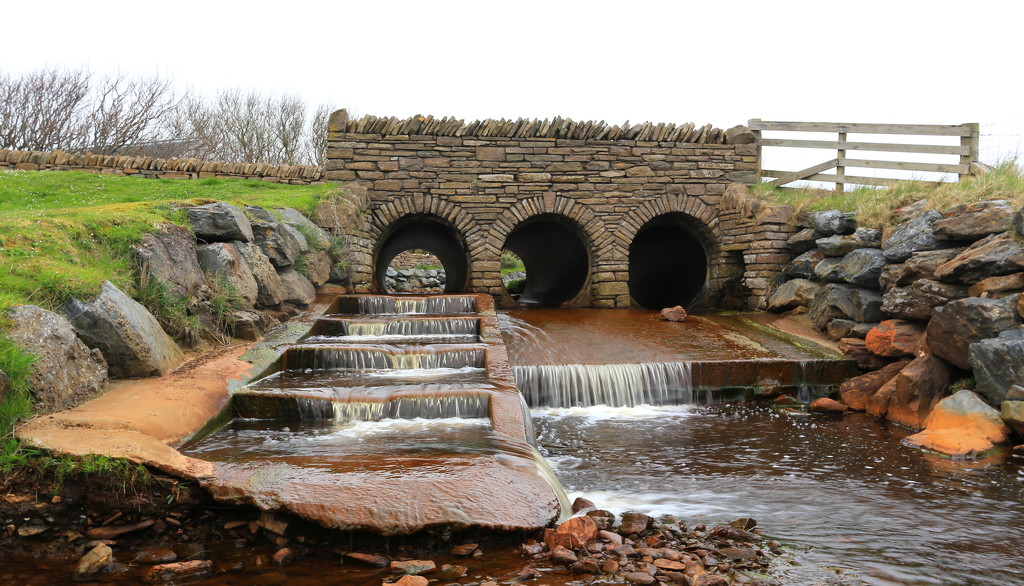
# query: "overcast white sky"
722 62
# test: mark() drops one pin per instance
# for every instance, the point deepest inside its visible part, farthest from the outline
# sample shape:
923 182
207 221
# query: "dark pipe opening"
428 233
555 258
668 265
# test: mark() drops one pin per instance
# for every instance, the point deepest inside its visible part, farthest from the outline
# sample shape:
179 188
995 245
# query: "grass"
63 233
875 206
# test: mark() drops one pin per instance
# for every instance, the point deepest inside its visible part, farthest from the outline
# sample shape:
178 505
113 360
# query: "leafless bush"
73 109
250 127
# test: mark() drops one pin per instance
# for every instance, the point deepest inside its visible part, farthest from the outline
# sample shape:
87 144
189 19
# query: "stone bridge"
648 215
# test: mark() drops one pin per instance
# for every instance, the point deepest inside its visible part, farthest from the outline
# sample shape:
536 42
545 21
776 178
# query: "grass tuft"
875 206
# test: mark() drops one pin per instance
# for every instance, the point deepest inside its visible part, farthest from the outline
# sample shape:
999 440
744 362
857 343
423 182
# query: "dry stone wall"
485 178
156 168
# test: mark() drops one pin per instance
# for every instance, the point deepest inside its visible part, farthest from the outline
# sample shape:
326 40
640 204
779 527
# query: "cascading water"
614 385
440 305
382 356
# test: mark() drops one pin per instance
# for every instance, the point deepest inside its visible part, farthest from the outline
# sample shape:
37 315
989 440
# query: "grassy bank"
875 206
63 233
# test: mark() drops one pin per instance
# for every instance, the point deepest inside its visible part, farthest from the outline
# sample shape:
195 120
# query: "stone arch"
532 228
672 243
442 227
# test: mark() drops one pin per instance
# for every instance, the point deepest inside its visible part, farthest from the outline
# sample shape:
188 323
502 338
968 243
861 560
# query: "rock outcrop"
169 256
961 425
130 338
219 222
66 372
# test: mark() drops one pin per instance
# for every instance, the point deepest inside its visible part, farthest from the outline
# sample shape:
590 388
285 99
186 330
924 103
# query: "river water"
848 500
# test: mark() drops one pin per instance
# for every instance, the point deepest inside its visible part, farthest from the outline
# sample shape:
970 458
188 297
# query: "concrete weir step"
414 424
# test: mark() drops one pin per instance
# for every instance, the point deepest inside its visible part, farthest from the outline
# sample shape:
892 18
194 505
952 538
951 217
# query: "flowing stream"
849 502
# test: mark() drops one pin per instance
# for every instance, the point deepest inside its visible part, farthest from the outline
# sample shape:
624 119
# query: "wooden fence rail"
967 150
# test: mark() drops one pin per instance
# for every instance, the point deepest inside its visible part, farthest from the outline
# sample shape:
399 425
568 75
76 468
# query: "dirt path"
141 419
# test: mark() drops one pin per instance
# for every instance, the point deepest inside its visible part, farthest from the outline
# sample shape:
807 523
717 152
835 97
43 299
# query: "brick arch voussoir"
387 213
691 206
589 222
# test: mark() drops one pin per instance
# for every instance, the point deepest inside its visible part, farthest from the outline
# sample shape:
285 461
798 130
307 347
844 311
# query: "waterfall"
615 385
383 357
440 407
411 327
440 305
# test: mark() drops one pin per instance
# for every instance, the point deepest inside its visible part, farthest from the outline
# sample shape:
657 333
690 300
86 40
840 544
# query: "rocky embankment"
931 309
239 274
170 532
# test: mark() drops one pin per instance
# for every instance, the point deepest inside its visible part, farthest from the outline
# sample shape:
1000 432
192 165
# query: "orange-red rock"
582 530
911 395
826 405
676 313
856 391
961 425
895 338
857 349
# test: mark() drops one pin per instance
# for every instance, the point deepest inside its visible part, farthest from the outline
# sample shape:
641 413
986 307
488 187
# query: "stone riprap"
940 300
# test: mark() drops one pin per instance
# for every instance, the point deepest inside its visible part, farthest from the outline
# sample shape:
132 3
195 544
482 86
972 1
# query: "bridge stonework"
485 186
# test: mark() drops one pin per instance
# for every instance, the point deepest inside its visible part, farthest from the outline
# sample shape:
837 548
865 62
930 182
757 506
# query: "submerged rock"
961 425
911 395
130 338
66 372
179 571
856 391
98 559
826 405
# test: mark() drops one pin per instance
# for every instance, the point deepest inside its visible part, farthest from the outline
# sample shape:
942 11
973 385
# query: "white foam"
598 413
695 505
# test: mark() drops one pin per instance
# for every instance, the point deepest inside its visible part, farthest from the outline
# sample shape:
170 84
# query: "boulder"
922 265
895 338
843 301
792 294
910 211
307 227
277 243
911 395
832 222
829 270
998 363
98 559
862 268
920 299
317 266
891 276
219 222
997 286
249 324
66 372
676 313
847 328
913 236
180 572
581 531
221 261
857 350
130 338
1012 413
856 391
961 425
843 244
803 266
802 241
974 220
960 323
169 256
995 255
297 288
269 289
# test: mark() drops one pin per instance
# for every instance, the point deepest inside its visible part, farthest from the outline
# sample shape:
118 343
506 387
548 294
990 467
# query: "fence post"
757 140
972 142
841 157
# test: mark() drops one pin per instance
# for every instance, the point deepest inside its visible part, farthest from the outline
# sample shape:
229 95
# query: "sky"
897 61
